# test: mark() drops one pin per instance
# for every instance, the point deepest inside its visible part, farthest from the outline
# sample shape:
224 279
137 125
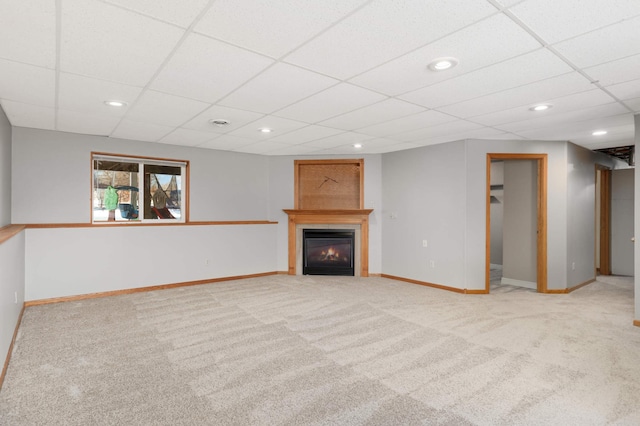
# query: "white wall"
5 170
281 188
424 199
71 261
622 200
520 223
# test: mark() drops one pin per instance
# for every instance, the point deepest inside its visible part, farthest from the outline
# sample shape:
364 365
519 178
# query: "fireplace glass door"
328 252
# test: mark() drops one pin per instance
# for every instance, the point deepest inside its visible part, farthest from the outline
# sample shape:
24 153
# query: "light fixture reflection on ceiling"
115 103
441 64
599 133
265 130
540 107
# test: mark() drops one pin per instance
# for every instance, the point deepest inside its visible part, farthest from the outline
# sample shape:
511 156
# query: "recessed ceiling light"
357 145
115 103
220 122
599 133
541 107
265 130
441 64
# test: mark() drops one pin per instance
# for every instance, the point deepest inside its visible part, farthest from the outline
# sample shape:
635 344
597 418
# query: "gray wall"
5 170
11 251
424 198
581 206
497 212
520 223
52 184
622 200
636 203
438 193
52 177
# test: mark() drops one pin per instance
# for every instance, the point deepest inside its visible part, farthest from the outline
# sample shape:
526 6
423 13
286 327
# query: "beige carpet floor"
285 350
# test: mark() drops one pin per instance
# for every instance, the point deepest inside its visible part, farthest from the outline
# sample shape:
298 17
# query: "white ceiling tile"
387 110
272 27
187 137
384 30
616 71
474 46
279 126
228 143
264 147
181 13
509 3
294 150
600 46
276 88
27 83
236 117
87 123
26 115
581 131
515 72
561 105
89 94
331 102
626 90
526 95
28 31
482 133
103 41
634 104
136 130
408 123
306 134
161 108
557 20
207 69
607 110
616 136
446 129
347 138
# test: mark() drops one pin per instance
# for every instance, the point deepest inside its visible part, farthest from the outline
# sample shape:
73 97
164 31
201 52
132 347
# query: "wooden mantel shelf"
322 216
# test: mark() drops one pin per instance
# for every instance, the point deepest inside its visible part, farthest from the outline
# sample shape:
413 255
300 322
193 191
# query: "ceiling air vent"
220 122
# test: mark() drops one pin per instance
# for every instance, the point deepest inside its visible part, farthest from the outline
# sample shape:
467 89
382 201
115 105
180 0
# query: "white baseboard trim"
520 283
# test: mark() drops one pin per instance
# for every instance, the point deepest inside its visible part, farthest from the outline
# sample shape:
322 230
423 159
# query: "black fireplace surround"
328 251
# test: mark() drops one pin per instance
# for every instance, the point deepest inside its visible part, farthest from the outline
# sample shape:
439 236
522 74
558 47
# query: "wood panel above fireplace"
329 184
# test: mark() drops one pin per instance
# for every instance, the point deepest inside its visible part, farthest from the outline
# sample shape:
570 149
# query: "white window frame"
142 162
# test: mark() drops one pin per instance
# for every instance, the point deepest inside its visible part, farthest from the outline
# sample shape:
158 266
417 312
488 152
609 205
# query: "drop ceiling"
323 75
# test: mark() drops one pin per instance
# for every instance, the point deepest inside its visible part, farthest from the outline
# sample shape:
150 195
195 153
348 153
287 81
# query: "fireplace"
328 252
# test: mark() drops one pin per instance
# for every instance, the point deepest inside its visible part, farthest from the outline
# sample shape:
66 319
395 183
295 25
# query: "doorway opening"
603 221
540 219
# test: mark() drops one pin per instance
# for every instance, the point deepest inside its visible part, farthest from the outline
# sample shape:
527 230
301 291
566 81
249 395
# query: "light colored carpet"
285 350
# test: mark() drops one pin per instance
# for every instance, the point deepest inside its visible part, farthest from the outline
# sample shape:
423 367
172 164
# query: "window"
131 189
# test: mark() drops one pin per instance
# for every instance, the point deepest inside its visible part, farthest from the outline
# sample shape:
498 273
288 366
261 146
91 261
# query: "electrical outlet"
432 263
207 261
573 266
424 243
15 297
